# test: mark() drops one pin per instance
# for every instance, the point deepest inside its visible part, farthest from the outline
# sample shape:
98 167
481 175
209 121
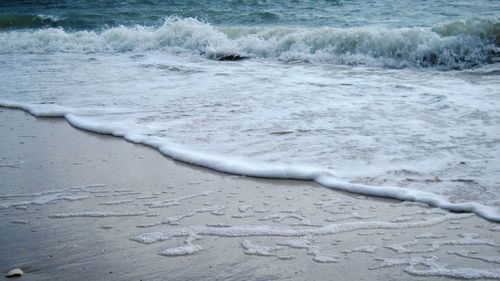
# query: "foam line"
243 167
265 230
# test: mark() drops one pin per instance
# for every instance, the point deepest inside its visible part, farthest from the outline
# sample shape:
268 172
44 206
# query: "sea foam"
457 45
238 166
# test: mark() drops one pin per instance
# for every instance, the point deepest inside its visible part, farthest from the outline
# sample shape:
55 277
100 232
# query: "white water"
456 45
412 134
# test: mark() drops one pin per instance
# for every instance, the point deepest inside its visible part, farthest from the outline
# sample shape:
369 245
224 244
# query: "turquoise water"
100 14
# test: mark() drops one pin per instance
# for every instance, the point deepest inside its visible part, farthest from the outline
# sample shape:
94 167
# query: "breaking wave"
457 45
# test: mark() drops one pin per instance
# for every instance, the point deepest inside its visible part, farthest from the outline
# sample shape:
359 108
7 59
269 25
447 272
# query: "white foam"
96 214
429 235
371 121
73 197
174 220
249 231
301 243
304 243
321 258
471 255
381 46
45 199
154 237
41 198
177 201
302 238
434 269
350 216
238 166
362 249
402 219
185 250
117 202
467 239
258 250
245 207
280 217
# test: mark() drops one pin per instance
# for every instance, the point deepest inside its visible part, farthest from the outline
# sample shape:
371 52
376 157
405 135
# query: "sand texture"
81 206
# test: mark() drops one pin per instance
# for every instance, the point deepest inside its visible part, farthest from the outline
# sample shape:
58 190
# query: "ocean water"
386 98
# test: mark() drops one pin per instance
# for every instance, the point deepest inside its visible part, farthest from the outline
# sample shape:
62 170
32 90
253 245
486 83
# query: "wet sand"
81 206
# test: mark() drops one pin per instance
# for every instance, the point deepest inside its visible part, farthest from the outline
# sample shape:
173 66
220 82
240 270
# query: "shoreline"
255 170
100 208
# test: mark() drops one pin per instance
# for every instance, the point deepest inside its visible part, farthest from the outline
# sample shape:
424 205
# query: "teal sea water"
99 14
449 35
390 98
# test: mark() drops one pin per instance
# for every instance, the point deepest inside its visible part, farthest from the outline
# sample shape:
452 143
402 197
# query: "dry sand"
81 206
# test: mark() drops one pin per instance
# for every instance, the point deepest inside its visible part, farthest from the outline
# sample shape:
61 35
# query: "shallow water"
372 99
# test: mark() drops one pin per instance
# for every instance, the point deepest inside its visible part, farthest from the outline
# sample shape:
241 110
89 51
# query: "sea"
397 99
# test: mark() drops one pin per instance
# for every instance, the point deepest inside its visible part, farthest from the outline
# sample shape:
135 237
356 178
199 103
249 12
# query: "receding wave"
249 168
457 45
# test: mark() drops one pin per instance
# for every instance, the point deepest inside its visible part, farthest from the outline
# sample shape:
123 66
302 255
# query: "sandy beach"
81 206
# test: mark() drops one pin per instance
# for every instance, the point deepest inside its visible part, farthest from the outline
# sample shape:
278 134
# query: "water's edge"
257 170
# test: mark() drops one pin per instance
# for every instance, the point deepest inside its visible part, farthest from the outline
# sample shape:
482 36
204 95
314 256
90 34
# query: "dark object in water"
230 57
221 56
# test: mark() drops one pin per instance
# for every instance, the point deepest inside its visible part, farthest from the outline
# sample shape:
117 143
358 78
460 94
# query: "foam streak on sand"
258 250
432 268
248 231
302 238
263 170
467 254
97 214
176 201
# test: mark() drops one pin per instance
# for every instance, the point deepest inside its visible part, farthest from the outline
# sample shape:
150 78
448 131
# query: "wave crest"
486 29
456 45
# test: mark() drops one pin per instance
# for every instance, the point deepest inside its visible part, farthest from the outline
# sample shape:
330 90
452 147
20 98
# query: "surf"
457 45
